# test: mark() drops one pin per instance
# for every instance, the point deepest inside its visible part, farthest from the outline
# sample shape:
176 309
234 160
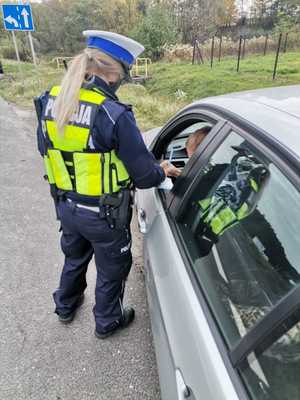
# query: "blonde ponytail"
66 102
84 64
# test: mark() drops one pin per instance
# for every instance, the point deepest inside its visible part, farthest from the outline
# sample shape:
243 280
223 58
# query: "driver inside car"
195 139
191 145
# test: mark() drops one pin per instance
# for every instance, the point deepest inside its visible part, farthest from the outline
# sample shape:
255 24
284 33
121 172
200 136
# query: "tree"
155 30
288 15
197 19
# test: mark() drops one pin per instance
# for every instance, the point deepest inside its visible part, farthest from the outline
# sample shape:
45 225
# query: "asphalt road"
40 358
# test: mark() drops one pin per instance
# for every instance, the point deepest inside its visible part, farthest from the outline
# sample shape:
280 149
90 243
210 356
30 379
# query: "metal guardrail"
141 68
60 61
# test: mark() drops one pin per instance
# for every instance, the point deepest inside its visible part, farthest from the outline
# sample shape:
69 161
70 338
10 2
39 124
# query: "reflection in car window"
240 229
273 374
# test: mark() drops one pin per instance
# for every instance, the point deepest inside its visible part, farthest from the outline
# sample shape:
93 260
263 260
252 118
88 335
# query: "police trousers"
85 234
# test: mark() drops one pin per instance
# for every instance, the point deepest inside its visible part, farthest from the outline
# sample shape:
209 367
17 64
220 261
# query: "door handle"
182 389
141 214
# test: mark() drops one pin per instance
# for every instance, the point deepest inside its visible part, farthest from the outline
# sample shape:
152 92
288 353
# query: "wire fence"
261 46
220 47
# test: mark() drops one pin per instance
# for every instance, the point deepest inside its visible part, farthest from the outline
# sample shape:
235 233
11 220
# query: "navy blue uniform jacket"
115 128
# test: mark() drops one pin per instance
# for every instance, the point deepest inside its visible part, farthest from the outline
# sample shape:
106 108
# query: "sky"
246 4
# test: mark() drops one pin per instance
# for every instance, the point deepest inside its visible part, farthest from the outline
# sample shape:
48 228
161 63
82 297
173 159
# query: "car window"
240 231
274 373
176 150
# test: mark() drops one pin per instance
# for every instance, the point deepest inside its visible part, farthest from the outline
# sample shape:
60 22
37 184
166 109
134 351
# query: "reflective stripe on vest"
70 164
61 176
48 170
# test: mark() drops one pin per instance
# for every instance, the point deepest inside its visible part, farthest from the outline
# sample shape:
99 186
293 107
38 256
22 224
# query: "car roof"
274 110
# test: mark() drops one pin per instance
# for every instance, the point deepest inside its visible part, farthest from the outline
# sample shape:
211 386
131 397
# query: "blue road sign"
17 17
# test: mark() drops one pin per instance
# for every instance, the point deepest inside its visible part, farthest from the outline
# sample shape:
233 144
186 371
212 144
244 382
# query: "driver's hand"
169 169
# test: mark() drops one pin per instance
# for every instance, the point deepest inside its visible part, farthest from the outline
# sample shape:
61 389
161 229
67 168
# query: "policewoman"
94 155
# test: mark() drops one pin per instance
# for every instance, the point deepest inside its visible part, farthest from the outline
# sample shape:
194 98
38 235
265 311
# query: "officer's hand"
169 169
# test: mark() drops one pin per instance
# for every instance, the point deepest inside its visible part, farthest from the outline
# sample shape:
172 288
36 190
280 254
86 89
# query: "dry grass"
171 87
150 110
21 84
21 87
181 52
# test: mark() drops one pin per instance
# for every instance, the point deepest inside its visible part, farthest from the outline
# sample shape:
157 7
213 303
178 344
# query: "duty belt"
91 208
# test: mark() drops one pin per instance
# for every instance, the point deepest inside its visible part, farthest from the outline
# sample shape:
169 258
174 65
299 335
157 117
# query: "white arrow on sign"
11 20
25 14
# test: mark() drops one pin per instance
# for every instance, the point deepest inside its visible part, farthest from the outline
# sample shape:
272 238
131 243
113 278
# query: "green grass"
22 83
199 81
150 109
171 86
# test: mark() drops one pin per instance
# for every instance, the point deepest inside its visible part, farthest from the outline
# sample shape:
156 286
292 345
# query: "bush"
9 53
7 48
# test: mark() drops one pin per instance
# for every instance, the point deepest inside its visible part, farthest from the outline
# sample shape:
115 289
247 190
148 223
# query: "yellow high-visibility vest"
70 164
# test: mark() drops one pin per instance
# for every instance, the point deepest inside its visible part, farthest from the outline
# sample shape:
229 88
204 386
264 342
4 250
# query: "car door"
223 286
237 229
181 332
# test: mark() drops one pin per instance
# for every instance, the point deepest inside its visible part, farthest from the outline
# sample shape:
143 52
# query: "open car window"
176 151
240 232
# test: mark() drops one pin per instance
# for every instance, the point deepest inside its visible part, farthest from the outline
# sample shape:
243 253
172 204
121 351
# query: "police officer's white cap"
119 47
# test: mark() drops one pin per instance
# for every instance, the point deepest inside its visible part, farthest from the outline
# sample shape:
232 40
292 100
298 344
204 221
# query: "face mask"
114 86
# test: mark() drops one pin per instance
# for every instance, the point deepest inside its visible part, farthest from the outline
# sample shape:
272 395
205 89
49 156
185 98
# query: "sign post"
18 17
16 45
32 48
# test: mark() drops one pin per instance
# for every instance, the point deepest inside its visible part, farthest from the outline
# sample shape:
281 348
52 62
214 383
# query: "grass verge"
170 88
199 81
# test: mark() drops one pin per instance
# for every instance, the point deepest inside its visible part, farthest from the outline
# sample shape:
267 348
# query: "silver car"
222 250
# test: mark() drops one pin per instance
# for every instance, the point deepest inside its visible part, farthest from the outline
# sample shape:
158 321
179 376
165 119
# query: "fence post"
197 55
266 44
200 54
212 52
285 42
239 54
65 64
277 56
244 48
220 47
194 51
